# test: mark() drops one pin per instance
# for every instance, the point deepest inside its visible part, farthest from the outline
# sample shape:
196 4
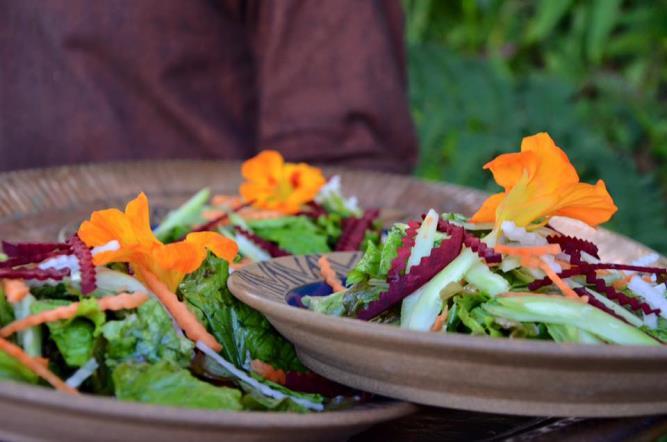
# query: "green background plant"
485 73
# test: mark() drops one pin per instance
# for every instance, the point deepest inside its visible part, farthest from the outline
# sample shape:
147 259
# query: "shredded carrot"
184 317
118 302
230 201
268 372
122 301
15 290
36 366
536 262
549 249
440 320
210 215
329 275
558 282
252 214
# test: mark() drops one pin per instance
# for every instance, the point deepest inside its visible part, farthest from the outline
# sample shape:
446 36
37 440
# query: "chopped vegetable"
147 335
429 304
31 337
420 274
187 214
15 290
165 383
26 249
296 235
118 302
552 309
32 273
186 320
36 367
272 249
244 333
354 230
86 266
424 239
329 275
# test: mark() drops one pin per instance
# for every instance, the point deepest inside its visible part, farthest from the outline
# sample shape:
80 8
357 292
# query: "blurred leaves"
485 73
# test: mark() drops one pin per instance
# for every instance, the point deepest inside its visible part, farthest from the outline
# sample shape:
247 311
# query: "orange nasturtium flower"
273 184
540 182
141 249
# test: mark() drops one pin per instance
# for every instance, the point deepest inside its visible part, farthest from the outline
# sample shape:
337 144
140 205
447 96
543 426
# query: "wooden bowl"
36 205
475 373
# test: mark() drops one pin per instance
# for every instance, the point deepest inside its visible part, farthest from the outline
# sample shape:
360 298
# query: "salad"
282 209
144 314
509 271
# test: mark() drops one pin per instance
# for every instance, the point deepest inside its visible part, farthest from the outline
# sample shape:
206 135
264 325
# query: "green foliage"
485 73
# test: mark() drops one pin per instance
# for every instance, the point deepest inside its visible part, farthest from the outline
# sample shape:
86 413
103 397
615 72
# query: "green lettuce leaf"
57 291
11 369
376 261
390 250
346 303
243 332
165 383
146 336
255 400
6 309
297 235
367 267
331 226
75 337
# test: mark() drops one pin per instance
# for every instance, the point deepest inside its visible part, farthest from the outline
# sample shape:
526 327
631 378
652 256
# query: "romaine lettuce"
243 332
165 383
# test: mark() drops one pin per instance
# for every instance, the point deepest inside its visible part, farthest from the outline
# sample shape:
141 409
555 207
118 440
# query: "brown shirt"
319 80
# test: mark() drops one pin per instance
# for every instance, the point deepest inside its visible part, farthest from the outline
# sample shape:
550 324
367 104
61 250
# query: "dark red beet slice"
87 268
403 253
592 300
28 259
354 230
475 244
419 275
546 281
39 274
309 382
269 247
573 247
600 286
25 249
313 210
605 266
617 296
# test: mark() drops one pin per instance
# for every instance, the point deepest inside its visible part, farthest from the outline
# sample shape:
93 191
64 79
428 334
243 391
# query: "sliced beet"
269 247
419 275
86 266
